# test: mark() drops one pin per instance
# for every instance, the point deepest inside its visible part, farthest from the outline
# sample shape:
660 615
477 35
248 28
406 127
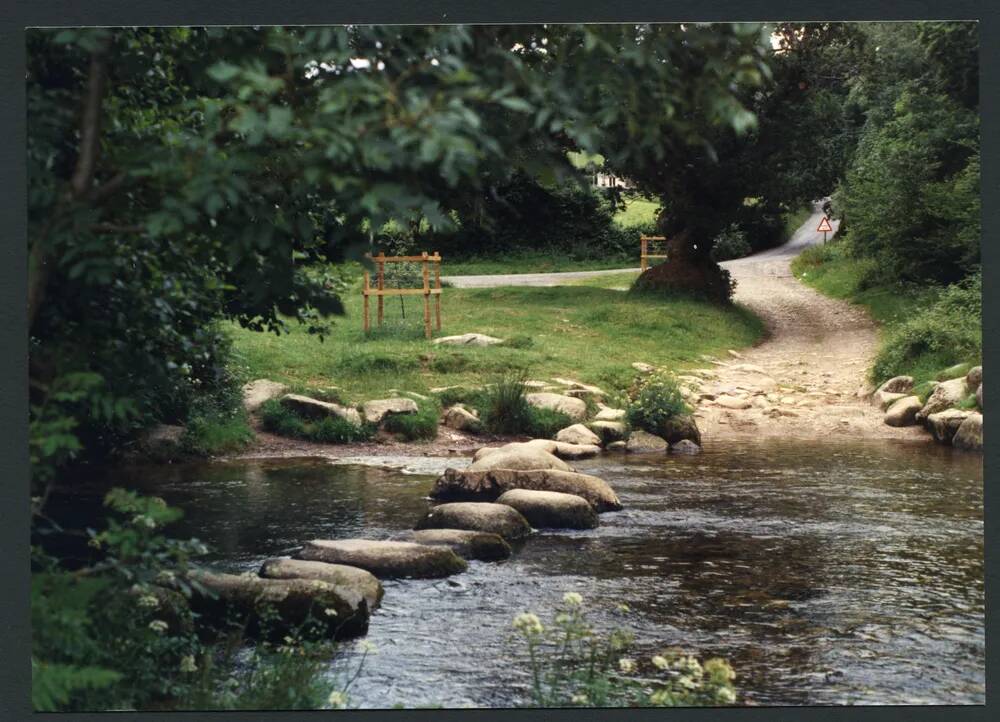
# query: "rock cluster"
952 412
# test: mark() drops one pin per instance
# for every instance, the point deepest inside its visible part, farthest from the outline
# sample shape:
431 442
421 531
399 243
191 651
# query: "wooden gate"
380 291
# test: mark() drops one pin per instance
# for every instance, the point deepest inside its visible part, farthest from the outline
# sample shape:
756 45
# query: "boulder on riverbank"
641 441
970 434
376 411
679 427
551 509
945 395
564 450
482 546
885 399
903 412
274 607
578 434
385 559
310 408
575 409
256 392
488 485
897 385
499 519
685 446
974 378
351 581
944 424
461 419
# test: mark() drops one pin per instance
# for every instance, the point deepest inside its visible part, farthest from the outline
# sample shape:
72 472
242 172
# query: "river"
827 573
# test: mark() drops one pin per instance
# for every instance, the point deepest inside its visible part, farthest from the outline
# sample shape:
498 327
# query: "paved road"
527 279
804 237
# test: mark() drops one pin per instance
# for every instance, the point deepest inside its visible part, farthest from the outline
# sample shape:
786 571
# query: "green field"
586 332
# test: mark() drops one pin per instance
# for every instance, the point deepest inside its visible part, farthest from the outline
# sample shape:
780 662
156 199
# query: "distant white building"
609 180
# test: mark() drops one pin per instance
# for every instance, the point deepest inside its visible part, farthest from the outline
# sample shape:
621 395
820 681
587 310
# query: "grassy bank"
586 332
925 329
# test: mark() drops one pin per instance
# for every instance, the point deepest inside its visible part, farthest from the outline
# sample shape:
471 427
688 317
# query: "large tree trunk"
688 270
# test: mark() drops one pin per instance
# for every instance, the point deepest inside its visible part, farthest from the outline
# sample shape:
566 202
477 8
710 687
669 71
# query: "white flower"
660 662
572 599
330 612
528 623
579 699
337 699
188 665
148 601
726 695
627 666
158 626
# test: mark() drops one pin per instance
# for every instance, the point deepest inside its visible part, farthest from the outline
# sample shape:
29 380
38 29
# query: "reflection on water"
828 574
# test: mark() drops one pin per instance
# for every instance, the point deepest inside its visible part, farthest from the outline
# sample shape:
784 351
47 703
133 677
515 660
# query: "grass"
586 332
331 429
925 329
637 211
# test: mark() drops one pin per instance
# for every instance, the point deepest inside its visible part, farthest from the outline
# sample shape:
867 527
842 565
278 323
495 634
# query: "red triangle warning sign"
824 225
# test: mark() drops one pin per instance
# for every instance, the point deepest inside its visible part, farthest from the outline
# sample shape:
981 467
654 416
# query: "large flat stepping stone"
489 485
641 441
285 604
482 546
551 509
386 559
517 456
315 409
350 580
499 519
575 409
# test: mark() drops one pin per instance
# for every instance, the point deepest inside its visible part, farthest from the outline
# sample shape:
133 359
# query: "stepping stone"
609 430
489 485
903 412
563 450
551 509
256 392
609 414
517 456
477 516
385 559
293 604
483 546
685 446
350 580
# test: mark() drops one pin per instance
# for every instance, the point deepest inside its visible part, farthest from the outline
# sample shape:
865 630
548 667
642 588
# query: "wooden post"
642 259
427 295
365 292
381 285
437 285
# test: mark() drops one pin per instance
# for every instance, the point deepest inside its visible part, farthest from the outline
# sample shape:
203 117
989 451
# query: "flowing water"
826 573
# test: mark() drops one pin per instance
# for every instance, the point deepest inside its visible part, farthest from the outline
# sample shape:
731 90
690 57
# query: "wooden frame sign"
380 291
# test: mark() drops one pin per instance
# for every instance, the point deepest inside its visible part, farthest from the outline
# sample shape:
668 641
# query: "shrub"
421 425
947 332
216 427
504 407
731 243
657 401
572 664
107 636
449 363
544 423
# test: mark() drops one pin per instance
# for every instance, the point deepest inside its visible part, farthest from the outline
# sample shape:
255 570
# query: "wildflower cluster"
573 664
655 403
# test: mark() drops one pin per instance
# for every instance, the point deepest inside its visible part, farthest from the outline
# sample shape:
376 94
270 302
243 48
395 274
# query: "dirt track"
804 380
